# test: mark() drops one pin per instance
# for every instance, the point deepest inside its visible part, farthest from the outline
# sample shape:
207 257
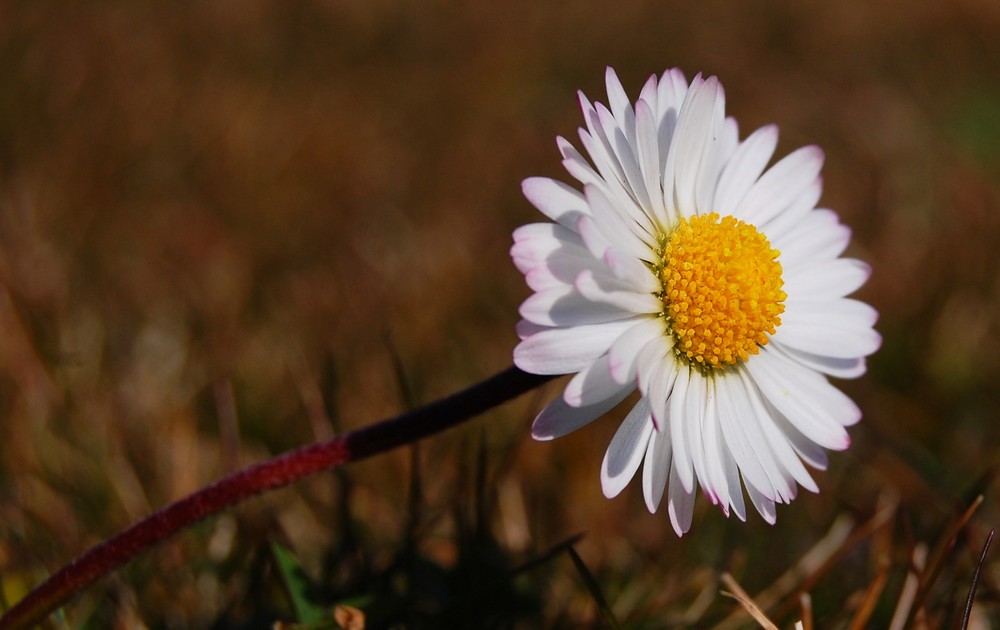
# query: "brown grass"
219 221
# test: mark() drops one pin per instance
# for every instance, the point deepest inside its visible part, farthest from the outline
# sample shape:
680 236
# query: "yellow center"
721 289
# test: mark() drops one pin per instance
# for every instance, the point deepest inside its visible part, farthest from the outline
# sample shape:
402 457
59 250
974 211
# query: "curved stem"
274 473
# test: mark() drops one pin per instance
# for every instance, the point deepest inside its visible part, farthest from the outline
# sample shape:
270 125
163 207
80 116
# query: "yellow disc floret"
722 289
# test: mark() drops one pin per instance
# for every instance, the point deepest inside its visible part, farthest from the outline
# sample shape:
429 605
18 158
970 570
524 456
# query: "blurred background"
228 229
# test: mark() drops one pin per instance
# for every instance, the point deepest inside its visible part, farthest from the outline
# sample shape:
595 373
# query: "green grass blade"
298 585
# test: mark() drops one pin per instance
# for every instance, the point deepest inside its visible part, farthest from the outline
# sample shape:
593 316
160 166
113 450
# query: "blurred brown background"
220 221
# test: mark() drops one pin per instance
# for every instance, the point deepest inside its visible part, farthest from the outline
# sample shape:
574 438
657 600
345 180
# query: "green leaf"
299 586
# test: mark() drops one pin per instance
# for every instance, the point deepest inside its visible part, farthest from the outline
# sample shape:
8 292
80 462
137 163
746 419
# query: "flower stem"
268 475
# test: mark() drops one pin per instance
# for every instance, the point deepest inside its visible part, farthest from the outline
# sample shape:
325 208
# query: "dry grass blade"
594 588
838 541
975 581
403 380
806 604
263 192
700 604
811 563
941 551
874 591
909 593
229 424
552 552
737 593
263 477
414 493
314 398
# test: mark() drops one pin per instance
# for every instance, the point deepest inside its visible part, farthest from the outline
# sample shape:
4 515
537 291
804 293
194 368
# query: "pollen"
722 290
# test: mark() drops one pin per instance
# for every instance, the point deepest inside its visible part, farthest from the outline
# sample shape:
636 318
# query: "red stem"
274 473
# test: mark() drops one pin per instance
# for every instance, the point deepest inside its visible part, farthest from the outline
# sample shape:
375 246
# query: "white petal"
648 91
747 448
591 385
818 236
734 483
780 185
677 404
598 146
788 388
810 452
545 231
716 453
565 350
526 329
611 177
656 468
623 147
618 115
765 506
671 91
778 440
626 450
837 328
647 145
617 97
631 270
535 242
680 503
662 370
696 400
556 200
711 159
577 165
839 368
564 306
678 122
623 356
541 279
782 449
693 140
647 363
670 94
816 389
843 311
547 264
606 289
729 141
545 237
780 485
827 279
558 418
793 213
593 237
619 223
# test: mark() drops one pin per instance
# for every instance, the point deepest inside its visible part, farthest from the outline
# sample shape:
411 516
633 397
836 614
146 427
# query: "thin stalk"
268 475
975 582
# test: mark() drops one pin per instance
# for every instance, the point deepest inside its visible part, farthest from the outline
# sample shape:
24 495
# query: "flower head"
689 270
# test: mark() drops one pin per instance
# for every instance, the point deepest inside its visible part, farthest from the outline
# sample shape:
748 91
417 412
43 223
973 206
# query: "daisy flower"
689 270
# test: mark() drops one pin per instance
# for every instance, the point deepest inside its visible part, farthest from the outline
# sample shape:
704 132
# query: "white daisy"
688 269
